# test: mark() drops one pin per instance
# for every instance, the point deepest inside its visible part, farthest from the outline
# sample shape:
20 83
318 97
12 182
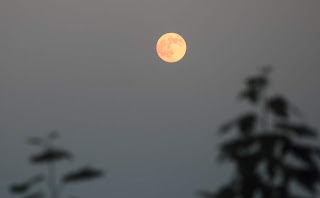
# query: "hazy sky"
90 70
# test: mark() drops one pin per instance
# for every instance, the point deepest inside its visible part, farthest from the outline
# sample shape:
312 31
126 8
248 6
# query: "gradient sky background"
90 70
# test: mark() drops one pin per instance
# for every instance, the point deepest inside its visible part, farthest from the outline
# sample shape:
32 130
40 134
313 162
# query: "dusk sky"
90 70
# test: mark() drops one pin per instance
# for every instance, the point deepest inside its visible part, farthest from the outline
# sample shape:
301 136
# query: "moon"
171 47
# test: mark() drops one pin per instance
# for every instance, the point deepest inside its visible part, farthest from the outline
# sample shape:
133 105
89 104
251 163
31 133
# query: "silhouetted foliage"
19 188
82 174
23 187
266 146
50 155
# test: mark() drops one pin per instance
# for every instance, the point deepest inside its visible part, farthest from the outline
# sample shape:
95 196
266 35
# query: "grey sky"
90 70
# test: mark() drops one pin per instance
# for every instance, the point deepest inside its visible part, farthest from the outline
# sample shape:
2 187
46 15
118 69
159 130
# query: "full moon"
171 47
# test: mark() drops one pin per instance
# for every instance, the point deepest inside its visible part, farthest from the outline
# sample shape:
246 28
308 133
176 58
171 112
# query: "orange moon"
171 47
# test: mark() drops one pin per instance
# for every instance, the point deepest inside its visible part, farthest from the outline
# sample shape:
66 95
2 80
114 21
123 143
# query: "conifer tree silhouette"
50 155
271 148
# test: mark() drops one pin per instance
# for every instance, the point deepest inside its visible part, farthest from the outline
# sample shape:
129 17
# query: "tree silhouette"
271 147
50 155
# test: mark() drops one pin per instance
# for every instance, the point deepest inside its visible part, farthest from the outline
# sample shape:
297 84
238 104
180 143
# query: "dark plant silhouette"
50 155
271 148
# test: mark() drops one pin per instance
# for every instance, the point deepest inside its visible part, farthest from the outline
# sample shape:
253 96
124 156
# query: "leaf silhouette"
306 177
246 123
50 155
266 142
250 94
304 153
278 105
25 186
19 188
297 129
232 148
86 173
257 82
255 86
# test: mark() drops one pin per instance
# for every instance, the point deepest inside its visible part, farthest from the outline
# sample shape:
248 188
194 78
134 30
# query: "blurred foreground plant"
50 155
272 150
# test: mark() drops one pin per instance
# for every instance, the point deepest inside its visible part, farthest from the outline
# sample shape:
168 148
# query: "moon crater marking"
171 47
